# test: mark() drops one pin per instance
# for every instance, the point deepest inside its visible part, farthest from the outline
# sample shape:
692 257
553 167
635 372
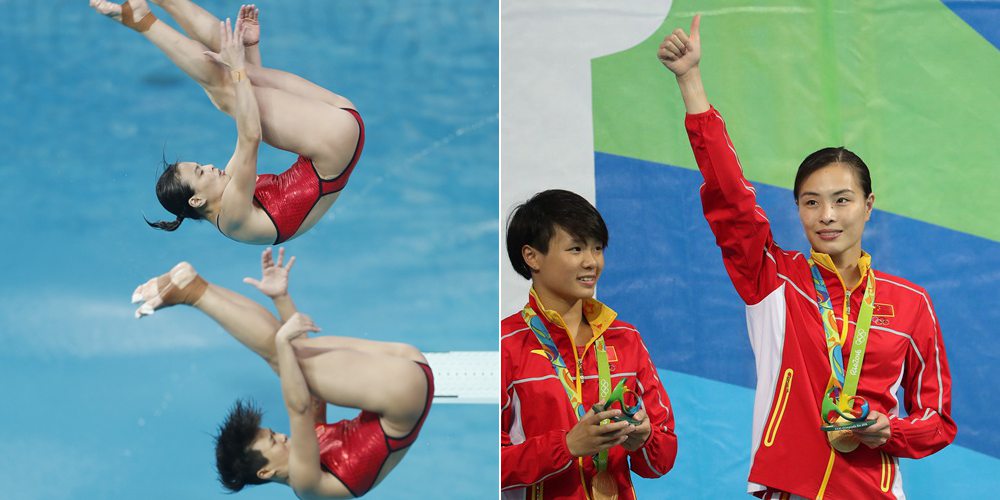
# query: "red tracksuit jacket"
790 453
536 413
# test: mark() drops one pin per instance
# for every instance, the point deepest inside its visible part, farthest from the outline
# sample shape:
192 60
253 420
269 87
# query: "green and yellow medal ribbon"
840 398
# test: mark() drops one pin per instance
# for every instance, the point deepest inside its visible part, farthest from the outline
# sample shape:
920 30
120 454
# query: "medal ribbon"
843 386
573 392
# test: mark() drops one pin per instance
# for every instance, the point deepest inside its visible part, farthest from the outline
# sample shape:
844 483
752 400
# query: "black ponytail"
173 195
165 225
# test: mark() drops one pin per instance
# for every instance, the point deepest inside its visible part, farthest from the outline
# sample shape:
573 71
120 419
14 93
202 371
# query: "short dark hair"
173 195
826 156
534 223
235 460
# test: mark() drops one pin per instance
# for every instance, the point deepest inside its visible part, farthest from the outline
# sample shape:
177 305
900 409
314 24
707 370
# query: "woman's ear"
196 202
265 474
532 257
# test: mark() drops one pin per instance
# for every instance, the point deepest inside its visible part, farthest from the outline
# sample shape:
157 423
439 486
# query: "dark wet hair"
173 195
826 156
235 461
534 223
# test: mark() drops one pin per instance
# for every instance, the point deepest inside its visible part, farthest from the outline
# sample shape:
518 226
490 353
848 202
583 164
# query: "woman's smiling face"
570 269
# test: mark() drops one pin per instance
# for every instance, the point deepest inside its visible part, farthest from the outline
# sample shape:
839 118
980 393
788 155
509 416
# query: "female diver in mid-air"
390 382
286 111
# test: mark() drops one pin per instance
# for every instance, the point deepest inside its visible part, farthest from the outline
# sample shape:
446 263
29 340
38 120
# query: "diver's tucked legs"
394 387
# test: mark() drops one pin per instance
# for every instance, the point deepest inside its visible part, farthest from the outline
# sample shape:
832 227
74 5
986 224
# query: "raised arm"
274 281
740 226
681 54
237 200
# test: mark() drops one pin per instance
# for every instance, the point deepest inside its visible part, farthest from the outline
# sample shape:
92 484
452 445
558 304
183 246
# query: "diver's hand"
273 275
295 327
248 24
231 53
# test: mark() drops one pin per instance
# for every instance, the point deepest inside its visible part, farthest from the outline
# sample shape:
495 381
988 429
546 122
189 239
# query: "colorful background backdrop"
911 86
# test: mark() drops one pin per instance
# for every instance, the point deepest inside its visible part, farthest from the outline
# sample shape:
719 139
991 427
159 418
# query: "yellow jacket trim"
779 408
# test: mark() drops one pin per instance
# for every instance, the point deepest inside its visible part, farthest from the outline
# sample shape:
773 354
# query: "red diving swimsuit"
287 198
355 450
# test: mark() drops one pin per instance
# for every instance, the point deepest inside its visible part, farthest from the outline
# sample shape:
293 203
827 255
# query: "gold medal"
843 440
604 487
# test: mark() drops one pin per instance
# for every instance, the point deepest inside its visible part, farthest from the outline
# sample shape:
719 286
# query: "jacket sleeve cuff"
559 447
897 441
690 119
655 457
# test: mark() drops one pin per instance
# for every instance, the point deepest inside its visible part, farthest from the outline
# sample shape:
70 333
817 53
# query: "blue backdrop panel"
982 15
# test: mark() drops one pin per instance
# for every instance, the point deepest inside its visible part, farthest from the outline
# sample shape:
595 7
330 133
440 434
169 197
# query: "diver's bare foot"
248 19
139 11
109 9
181 285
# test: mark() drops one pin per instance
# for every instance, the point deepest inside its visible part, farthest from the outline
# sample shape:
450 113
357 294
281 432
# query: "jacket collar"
599 315
826 262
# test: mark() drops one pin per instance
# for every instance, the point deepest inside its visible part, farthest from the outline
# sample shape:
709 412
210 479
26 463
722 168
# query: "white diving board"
465 377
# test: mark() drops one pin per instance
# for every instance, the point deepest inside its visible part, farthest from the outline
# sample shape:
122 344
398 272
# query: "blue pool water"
98 405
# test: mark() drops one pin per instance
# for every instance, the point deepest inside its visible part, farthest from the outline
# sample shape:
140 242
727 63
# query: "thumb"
251 281
696 26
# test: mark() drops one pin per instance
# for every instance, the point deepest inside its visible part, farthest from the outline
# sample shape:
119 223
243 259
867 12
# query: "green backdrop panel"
907 85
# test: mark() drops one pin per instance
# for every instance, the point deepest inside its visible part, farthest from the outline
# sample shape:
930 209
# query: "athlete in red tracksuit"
790 454
538 423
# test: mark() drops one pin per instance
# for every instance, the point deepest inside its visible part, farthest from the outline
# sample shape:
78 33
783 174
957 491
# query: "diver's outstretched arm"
681 54
237 199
